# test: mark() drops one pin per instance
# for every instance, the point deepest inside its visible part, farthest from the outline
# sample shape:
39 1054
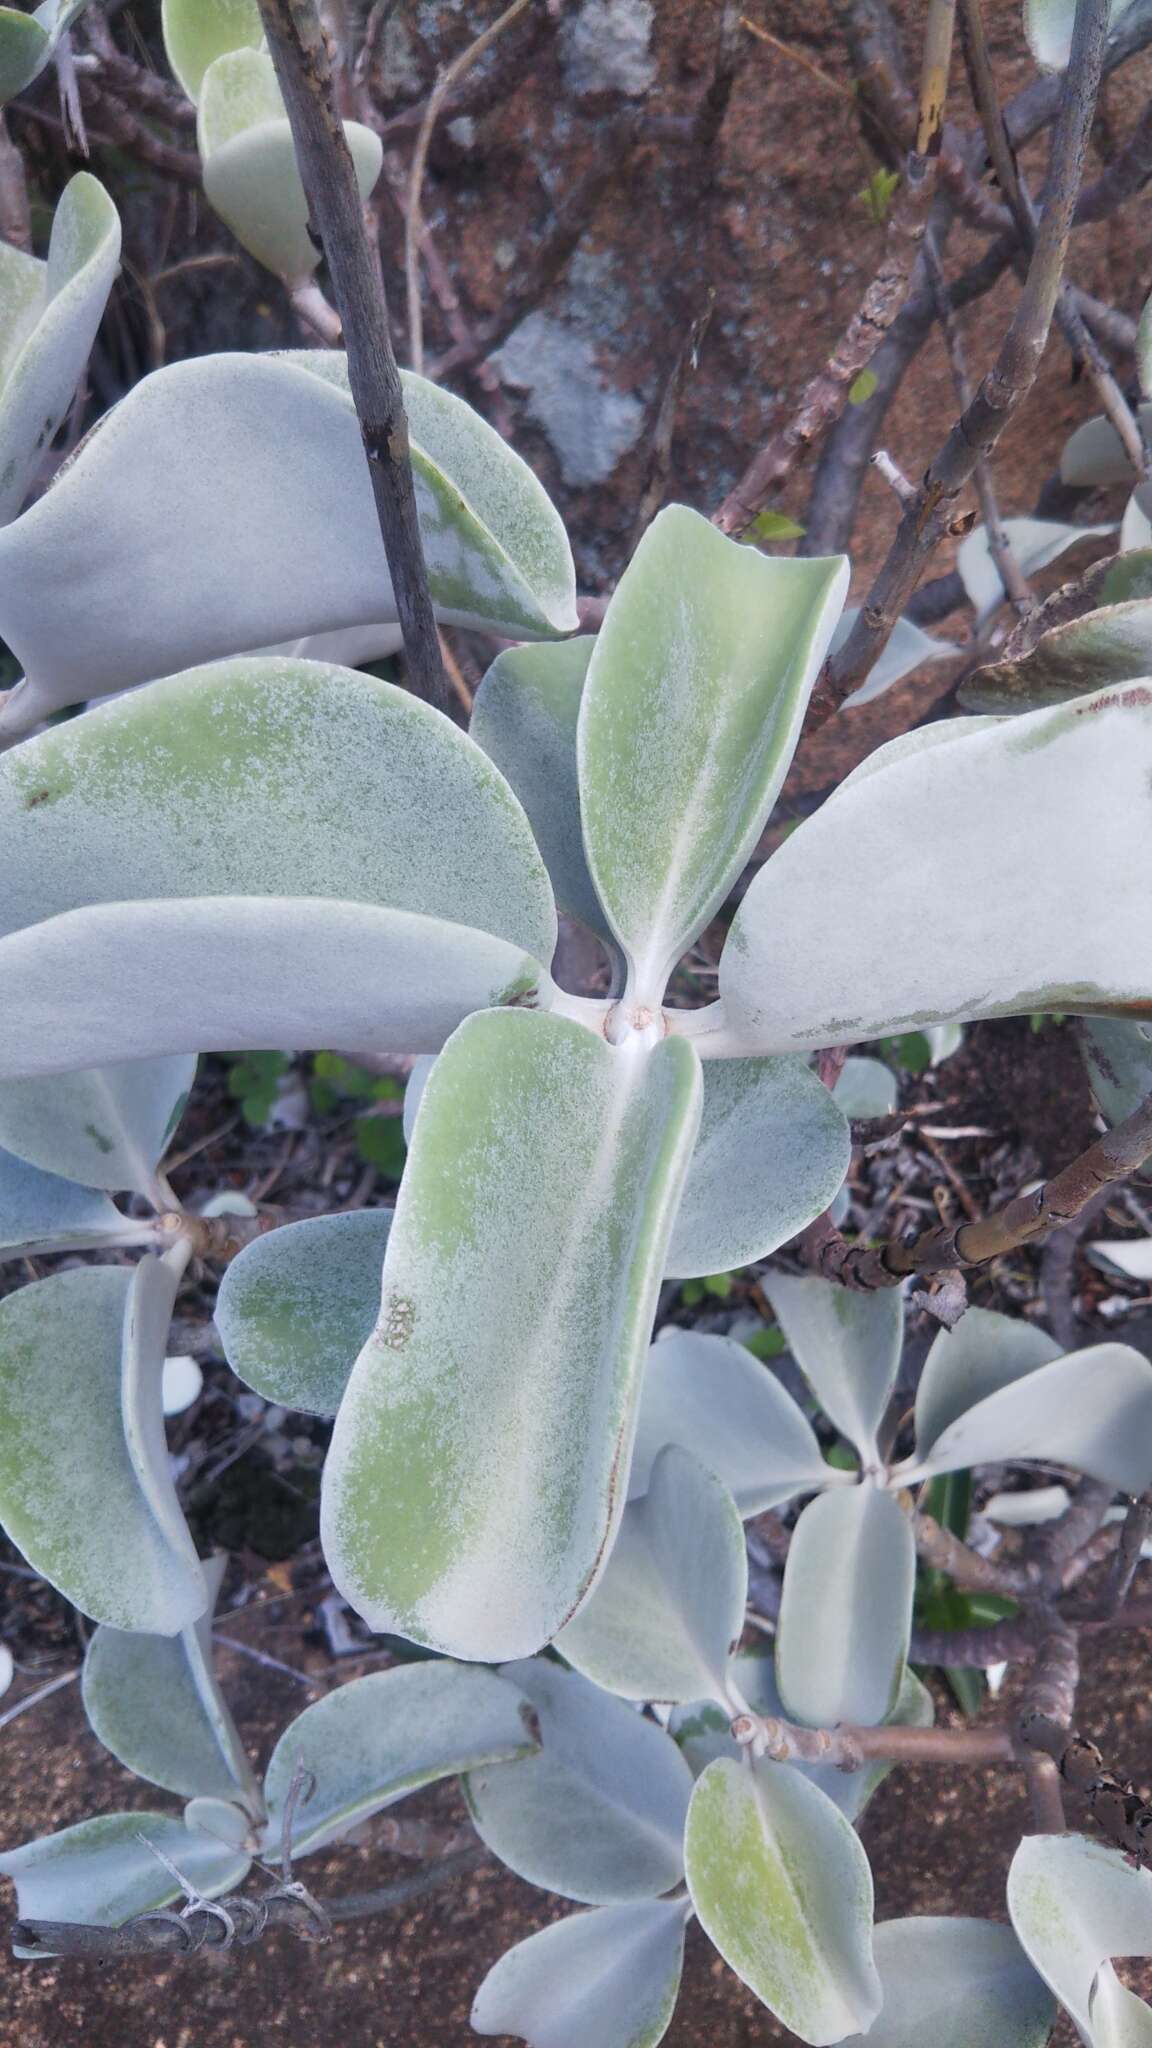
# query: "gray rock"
605 47
589 424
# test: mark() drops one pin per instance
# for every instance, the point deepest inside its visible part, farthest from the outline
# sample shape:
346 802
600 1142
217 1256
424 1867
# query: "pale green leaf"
846 1344
297 1306
610 1977
375 1739
1131 1256
1095 454
782 1887
713 1397
846 1608
692 706
106 1127
956 1983
154 1701
84 1485
772 1152
1048 27
908 648
598 1815
1136 525
238 91
1107 646
1118 1055
29 41
42 1210
103 1872
1034 543
1118 2018
479 1460
819 951
865 1088
669 1607
238 492
1091 1410
985 1352
1074 1904
196 32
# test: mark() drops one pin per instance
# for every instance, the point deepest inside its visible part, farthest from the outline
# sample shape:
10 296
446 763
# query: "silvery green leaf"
957 1983
773 1149
598 1815
154 1701
28 42
238 491
196 32
1048 27
1034 543
296 1307
1091 1410
1136 525
865 1088
249 163
669 1607
1107 646
908 649
710 1395
132 980
692 707
782 1887
59 306
106 1127
943 1041
39 1209
479 1460
847 1345
818 954
1118 2018
846 1608
1095 454
375 1739
1132 1255
610 1976
7 1668
268 777
1075 1903
102 1872
84 1485
525 717
1025 1509
984 1352
220 1818
1118 1055
181 1385
422 1066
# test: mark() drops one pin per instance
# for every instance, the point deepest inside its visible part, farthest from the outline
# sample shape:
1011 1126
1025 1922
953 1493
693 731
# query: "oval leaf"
983 1353
297 1306
41 1210
847 1345
1075 1903
909 648
107 1127
846 1609
865 1088
958 1984
1091 1410
103 1872
610 1976
1108 646
1118 1055
196 32
1119 2018
479 1460
713 1397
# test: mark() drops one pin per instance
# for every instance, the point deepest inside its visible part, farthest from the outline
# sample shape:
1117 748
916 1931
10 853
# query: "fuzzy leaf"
84 1486
101 1873
1107 646
909 648
983 1353
1034 543
711 1396
40 1209
1048 27
847 1346
957 1983
818 951
610 1977
107 1127
1095 454
1119 2019
772 1152
1118 1055
691 710
479 1460
54 330
296 1307
782 1887
866 1088
1091 1410
28 42
375 1739
239 498
1131 1256
1074 1904
846 1609
598 1815
196 32
669 1607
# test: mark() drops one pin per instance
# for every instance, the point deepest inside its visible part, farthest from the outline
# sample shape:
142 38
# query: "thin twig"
33 1699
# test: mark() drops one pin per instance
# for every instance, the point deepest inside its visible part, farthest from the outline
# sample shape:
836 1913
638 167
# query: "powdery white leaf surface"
81 1492
598 1815
1023 1509
1132 1255
817 953
375 1739
1118 1055
772 1152
1074 1904
234 489
41 1209
985 1352
908 649
422 1066
1048 27
847 1345
479 1460
106 1127
711 1395
270 777
1091 1410
1136 525
196 32
28 42
610 1976
131 980
525 718
692 707
846 1608
669 1608
782 1886
182 1384
297 1307
101 1873
1119 2019
45 359
956 1983
1034 543
865 1088
154 1701
1095 454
